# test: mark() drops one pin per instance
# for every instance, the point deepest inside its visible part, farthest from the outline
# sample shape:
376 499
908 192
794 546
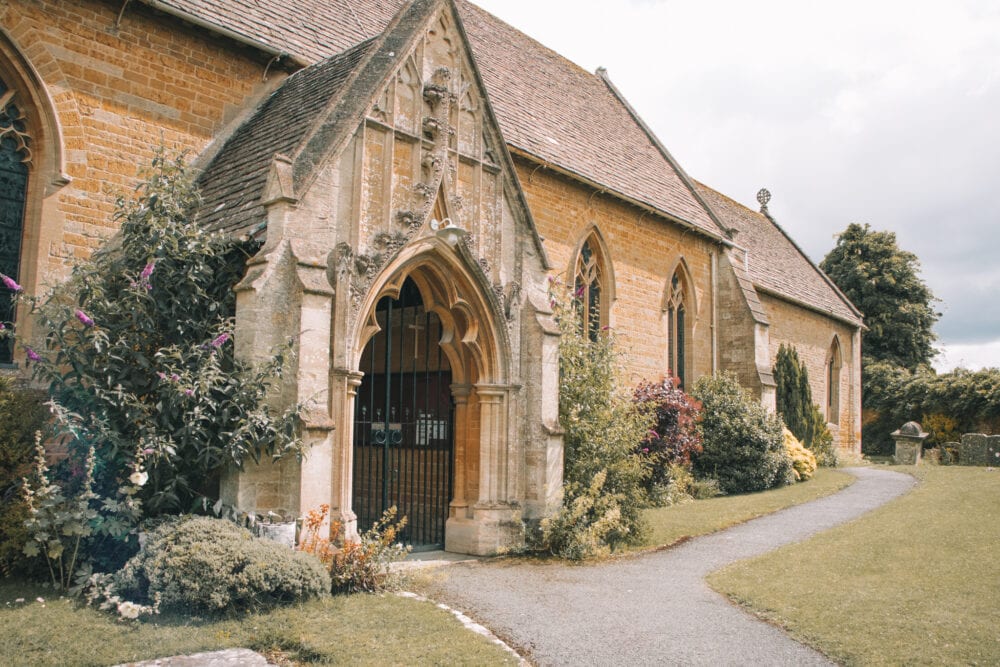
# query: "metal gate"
403 422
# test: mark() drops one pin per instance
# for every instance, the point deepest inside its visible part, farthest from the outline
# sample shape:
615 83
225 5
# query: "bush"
603 427
795 405
211 565
136 346
803 461
363 566
22 414
743 446
674 437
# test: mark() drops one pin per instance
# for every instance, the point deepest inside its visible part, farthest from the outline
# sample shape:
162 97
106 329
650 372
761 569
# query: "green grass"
669 525
915 582
359 630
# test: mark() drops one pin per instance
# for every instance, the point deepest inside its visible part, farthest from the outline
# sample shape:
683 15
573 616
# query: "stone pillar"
493 527
460 394
343 391
909 443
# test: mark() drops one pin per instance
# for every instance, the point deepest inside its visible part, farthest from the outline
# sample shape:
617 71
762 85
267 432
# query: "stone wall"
644 250
99 100
812 335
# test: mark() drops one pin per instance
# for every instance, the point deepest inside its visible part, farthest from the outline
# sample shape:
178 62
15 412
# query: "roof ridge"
602 74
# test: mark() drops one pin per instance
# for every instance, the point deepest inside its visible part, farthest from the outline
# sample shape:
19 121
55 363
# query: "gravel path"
654 608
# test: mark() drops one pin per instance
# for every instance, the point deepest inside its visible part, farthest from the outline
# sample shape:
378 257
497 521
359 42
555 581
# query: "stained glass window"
14 158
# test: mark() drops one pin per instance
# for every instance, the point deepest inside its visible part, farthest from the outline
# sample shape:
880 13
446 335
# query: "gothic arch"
834 363
680 313
591 267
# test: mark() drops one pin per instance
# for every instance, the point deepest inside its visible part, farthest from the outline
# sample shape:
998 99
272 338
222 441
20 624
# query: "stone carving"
409 218
432 127
436 89
511 299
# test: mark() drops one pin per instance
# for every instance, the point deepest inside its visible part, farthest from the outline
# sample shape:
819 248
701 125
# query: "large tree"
882 280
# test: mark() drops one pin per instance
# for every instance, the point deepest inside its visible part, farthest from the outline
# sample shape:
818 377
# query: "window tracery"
589 275
676 326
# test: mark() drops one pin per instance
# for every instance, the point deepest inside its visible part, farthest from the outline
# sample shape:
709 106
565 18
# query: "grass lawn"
915 582
669 525
359 630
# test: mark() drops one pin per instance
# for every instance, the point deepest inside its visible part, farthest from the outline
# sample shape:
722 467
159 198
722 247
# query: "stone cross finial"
763 196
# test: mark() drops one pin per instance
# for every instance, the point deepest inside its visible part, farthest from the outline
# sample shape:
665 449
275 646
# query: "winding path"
655 608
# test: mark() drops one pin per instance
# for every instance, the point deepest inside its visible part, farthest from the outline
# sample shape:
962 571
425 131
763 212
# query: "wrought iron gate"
403 424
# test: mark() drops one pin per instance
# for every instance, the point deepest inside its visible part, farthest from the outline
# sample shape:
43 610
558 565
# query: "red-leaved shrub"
674 437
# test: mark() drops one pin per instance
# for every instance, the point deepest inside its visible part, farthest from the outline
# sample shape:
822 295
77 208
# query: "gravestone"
909 443
972 451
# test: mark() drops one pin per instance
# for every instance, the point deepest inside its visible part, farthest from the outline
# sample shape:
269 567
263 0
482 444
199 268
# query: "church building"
417 173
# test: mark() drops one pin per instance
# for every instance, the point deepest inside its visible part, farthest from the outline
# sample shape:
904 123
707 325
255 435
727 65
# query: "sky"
882 112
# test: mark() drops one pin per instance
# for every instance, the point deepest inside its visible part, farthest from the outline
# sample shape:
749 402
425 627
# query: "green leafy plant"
793 397
603 428
742 444
58 522
22 414
137 347
206 564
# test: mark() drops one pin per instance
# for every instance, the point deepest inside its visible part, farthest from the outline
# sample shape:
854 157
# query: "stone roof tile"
776 264
546 105
233 183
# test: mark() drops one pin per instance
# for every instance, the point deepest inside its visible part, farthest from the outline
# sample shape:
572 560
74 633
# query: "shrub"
742 445
684 486
22 414
211 565
794 401
803 461
674 437
602 429
137 347
362 566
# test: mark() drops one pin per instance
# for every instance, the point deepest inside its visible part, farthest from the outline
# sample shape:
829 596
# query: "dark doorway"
404 422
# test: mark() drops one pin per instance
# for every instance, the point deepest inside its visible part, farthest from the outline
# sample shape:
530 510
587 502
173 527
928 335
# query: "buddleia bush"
742 445
137 349
604 476
213 565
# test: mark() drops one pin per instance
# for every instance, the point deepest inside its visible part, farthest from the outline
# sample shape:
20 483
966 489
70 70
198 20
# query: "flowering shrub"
358 566
602 428
207 564
22 414
803 461
742 445
137 348
674 437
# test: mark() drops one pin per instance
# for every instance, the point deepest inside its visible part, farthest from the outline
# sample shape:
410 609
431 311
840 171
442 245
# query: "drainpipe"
715 299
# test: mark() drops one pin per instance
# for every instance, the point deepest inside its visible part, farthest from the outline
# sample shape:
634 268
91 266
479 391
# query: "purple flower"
174 377
32 355
189 392
82 316
2 327
10 283
147 271
220 340
147 451
579 291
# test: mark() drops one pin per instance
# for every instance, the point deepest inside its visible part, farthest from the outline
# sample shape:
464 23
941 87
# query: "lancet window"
833 365
676 309
589 278
15 159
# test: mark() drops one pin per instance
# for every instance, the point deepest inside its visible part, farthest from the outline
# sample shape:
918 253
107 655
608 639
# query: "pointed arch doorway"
404 421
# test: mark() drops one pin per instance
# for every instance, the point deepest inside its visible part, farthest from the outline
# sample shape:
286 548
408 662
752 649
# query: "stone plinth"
909 444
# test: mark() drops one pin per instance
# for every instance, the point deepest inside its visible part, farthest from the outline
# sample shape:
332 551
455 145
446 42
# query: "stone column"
460 394
492 445
343 391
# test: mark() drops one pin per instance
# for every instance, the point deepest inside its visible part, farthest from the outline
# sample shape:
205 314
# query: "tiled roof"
233 183
546 105
776 264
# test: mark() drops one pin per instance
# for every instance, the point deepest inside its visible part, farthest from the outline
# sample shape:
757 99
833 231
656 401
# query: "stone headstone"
909 443
972 451
993 450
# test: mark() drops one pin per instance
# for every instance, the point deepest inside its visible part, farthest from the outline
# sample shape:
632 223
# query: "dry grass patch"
915 582
668 525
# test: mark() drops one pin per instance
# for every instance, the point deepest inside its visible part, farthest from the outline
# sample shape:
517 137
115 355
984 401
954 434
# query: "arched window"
15 156
676 309
833 364
588 283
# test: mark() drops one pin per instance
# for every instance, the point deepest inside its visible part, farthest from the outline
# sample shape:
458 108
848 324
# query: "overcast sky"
877 111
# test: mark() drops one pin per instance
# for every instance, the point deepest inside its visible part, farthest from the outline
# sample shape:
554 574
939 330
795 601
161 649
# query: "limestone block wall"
113 95
643 251
812 334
